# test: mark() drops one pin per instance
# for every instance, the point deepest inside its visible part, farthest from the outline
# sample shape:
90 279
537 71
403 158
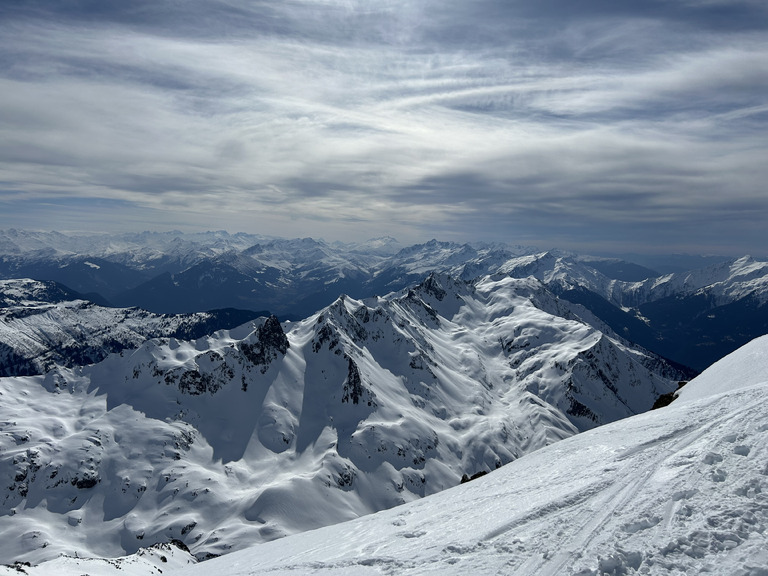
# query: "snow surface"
265 431
747 368
681 490
156 560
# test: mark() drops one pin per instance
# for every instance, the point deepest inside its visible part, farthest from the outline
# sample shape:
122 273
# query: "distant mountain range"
690 317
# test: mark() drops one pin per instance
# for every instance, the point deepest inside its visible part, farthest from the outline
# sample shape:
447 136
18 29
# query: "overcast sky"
594 125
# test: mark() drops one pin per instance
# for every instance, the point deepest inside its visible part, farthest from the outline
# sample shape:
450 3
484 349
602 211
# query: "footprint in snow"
684 494
741 450
719 475
416 534
641 524
712 458
731 438
751 489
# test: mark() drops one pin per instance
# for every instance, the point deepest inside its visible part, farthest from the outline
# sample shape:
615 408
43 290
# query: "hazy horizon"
591 127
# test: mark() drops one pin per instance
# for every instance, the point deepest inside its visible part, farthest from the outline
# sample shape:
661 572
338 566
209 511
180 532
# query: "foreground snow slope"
746 367
682 490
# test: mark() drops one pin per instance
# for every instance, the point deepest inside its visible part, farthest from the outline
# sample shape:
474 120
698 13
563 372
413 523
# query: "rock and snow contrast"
681 490
692 317
44 325
269 430
134 442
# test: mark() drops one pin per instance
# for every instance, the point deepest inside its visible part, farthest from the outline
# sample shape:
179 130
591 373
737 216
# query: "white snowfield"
681 490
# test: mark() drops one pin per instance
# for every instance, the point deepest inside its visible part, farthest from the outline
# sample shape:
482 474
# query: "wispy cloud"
583 123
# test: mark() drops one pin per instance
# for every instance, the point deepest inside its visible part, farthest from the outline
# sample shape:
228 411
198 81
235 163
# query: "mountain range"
365 405
676 490
691 317
44 325
680 490
187 433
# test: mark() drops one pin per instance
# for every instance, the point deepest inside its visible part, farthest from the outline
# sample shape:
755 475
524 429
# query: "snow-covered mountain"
267 430
680 490
694 317
297 277
727 281
44 325
175 272
135 249
107 265
288 277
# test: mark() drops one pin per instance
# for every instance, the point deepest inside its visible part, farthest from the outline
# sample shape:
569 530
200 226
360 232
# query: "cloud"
590 122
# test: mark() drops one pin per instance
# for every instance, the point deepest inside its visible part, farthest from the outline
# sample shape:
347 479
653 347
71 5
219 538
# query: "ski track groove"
610 496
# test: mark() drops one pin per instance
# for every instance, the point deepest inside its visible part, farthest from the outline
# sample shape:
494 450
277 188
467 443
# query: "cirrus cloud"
586 125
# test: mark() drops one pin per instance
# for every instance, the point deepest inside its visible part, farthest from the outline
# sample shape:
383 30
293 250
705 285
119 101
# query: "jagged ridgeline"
270 429
691 316
44 325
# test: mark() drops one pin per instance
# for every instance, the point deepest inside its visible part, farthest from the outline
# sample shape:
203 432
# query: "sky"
591 125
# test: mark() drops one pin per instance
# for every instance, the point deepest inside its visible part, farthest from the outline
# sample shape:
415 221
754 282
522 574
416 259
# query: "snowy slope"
43 325
746 368
151 561
680 490
267 430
